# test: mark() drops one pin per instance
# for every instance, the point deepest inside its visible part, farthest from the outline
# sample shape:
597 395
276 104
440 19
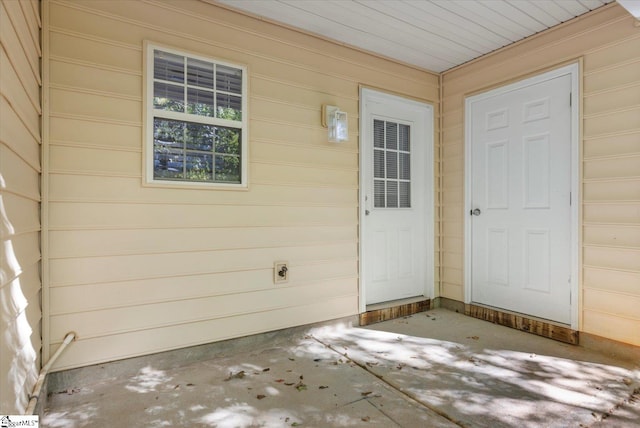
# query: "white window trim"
149 114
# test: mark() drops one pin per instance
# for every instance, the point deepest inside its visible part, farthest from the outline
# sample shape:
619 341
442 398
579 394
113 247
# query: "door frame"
572 70
368 95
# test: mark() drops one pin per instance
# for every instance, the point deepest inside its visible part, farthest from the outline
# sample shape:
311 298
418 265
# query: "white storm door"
520 208
396 190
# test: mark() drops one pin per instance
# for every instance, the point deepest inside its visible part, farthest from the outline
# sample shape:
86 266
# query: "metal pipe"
33 398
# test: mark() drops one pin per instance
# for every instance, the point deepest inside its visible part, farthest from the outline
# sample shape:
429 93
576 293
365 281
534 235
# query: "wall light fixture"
336 122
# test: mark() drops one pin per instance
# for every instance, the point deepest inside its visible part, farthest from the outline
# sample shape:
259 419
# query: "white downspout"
33 398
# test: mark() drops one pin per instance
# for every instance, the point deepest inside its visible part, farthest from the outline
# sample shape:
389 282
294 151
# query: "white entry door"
396 197
520 147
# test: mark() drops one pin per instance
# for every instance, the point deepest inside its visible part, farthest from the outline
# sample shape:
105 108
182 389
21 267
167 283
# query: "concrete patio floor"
433 369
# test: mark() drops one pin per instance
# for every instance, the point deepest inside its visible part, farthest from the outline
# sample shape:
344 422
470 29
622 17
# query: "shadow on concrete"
480 380
436 369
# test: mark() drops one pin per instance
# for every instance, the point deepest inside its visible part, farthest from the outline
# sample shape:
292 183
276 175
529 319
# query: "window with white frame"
391 164
196 119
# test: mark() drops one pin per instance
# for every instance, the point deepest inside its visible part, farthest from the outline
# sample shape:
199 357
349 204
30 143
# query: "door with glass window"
396 188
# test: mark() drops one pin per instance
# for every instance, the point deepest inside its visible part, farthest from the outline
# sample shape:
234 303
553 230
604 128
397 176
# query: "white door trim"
369 96
572 70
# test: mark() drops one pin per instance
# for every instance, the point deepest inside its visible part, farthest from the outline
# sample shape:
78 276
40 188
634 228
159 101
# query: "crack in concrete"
384 413
406 394
631 400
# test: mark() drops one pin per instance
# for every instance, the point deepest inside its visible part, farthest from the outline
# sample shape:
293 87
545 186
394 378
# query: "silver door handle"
366 212
476 212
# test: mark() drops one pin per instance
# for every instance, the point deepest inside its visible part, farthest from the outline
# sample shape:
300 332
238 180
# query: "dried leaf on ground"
301 386
473 337
323 387
364 394
475 361
238 375
266 370
279 380
260 396
366 419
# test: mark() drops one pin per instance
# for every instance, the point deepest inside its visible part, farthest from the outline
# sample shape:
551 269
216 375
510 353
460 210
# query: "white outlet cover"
277 279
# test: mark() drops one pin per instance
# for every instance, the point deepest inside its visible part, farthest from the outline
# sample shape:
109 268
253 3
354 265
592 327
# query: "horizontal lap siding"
135 270
19 202
609 45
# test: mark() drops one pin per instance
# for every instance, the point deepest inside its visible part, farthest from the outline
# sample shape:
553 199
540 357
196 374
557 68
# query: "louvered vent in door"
391 164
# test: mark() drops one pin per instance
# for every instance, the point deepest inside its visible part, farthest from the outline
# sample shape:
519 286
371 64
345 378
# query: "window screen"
391 164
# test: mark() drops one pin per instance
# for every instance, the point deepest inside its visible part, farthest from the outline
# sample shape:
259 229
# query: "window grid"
188 86
196 137
392 160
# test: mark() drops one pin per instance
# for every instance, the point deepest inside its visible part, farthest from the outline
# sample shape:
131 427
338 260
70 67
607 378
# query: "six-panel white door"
520 208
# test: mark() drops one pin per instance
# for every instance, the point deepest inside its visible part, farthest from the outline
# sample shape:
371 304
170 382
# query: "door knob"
476 212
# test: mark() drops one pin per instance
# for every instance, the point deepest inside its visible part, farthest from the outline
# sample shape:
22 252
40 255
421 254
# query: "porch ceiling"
435 35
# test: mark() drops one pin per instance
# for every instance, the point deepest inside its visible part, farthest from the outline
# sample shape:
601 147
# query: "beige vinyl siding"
20 140
609 45
134 269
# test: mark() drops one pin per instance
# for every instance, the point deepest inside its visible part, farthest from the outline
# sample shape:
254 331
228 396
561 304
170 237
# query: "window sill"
194 185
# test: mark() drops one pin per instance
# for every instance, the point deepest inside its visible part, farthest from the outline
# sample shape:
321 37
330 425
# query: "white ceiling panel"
538 11
422 17
560 10
431 34
483 13
479 35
